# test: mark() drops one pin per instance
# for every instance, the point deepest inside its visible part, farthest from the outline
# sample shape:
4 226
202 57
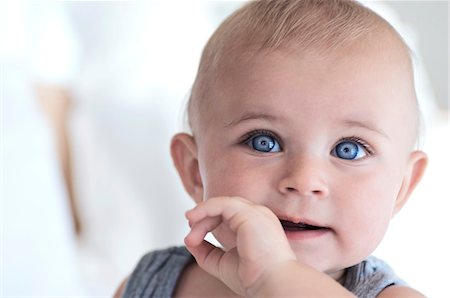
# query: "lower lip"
309 234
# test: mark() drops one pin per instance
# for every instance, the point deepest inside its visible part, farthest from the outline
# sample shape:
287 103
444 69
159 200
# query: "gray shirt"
157 273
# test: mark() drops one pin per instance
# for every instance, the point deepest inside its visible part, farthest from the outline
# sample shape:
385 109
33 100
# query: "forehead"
357 78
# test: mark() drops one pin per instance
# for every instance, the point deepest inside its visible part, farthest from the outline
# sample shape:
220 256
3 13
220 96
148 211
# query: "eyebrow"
356 123
261 116
251 116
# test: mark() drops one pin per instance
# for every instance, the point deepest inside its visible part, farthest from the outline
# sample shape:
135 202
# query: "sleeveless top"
157 273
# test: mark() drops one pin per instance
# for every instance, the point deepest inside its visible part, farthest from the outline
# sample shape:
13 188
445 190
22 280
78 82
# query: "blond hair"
319 25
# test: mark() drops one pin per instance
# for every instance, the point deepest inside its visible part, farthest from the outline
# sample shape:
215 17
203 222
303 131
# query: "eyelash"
248 136
251 134
369 150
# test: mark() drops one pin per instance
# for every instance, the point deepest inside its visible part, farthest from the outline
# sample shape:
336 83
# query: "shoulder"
400 291
371 277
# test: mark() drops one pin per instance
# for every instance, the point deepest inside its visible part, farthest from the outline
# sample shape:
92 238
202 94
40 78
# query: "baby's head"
306 107
322 29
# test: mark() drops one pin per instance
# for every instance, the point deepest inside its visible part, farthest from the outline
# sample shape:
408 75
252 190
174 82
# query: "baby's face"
320 141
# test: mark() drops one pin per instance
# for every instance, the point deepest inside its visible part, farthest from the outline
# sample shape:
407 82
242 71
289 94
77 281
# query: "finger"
220 264
201 228
227 207
207 256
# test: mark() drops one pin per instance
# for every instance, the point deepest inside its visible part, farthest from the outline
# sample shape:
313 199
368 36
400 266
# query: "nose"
304 177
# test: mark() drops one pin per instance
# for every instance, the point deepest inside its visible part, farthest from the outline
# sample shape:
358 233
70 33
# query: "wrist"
269 283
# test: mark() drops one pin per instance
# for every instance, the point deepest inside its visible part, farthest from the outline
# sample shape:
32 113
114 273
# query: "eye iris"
263 143
347 150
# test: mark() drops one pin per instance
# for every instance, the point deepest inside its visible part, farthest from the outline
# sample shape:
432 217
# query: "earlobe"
417 164
184 155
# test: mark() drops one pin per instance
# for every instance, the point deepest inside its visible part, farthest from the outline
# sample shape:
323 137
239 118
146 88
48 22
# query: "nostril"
313 192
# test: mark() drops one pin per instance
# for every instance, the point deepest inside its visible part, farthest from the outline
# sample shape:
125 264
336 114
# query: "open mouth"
298 227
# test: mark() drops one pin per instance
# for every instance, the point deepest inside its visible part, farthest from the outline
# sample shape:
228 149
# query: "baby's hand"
261 244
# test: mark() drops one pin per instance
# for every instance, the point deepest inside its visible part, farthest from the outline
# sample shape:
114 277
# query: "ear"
417 164
184 155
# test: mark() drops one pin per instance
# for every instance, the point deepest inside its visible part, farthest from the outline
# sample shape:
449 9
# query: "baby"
304 126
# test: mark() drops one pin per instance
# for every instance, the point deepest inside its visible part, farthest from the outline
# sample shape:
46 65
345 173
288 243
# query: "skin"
309 104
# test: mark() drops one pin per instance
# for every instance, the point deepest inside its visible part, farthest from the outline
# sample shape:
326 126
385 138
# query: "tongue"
290 226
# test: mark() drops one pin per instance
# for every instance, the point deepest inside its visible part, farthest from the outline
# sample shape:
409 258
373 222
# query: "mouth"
303 231
298 227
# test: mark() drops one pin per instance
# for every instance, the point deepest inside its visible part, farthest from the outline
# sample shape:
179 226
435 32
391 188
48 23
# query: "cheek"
365 210
232 176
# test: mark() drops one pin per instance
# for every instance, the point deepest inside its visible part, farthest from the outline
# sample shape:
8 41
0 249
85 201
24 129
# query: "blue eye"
264 143
349 150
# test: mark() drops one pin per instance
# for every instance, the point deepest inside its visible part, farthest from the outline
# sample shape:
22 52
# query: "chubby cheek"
365 212
231 176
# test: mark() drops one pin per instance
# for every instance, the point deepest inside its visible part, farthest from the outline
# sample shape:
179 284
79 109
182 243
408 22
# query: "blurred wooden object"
56 104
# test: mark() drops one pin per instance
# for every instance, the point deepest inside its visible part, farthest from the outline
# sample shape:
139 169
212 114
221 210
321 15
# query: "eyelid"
366 146
251 134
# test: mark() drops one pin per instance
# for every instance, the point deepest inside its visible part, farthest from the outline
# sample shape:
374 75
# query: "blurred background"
90 95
